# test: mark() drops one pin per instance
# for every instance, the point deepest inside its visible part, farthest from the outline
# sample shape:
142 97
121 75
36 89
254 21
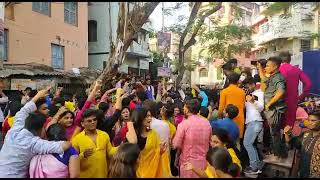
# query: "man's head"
233 62
104 106
191 107
89 119
314 121
141 96
148 81
249 82
27 91
285 56
273 64
204 111
231 111
42 107
233 78
227 68
35 124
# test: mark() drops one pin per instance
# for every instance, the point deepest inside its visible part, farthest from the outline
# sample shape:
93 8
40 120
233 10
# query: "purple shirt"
293 75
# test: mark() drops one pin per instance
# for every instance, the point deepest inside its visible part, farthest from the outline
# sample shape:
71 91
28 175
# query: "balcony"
139 49
291 25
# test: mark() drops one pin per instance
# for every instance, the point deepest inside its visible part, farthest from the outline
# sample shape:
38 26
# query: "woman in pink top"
292 76
178 116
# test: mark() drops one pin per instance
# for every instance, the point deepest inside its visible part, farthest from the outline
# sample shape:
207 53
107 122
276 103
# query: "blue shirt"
228 125
66 155
204 97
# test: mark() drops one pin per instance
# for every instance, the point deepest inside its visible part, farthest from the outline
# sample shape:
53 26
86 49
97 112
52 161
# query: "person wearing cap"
293 75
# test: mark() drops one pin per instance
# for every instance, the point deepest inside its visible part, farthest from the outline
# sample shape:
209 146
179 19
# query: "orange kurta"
236 96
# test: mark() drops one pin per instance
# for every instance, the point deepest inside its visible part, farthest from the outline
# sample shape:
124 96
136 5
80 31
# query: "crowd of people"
133 129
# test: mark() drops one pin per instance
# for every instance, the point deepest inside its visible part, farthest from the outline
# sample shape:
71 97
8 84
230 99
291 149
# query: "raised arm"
105 95
4 98
48 147
307 84
30 107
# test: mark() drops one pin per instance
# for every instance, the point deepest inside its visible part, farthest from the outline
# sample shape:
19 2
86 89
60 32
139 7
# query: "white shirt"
2 101
20 145
161 128
253 110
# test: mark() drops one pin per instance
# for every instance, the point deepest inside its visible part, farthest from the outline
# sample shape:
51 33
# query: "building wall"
30 35
286 33
107 24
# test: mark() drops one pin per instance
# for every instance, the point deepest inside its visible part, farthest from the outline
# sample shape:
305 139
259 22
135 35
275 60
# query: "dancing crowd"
129 128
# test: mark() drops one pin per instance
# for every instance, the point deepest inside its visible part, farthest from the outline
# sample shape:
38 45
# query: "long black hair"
123 163
221 160
56 132
137 117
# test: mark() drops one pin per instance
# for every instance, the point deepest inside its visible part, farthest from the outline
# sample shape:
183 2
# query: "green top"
273 83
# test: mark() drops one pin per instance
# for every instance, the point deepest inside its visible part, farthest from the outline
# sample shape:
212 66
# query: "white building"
291 29
102 29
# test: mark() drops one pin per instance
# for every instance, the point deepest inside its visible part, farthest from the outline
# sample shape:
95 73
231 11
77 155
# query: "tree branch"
197 28
138 16
192 17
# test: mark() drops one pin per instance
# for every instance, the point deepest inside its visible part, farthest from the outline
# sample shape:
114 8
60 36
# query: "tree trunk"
184 47
127 28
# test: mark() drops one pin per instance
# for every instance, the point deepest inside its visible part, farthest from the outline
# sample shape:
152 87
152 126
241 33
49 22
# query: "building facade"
291 29
103 23
49 33
209 71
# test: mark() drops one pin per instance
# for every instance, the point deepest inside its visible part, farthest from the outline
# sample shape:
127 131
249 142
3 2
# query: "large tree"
132 16
195 22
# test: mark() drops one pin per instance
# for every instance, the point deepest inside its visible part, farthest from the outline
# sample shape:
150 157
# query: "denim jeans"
253 129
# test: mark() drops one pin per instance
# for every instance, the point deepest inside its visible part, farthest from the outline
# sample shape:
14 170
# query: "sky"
156 16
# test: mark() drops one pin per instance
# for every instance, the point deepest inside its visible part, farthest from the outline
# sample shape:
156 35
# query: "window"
305 45
203 72
5 55
41 7
92 31
71 13
57 56
219 73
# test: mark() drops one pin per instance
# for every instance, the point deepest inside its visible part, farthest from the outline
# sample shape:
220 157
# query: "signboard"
164 41
22 84
164 72
144 64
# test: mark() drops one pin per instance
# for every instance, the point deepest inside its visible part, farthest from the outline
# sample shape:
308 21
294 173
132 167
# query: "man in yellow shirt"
93 146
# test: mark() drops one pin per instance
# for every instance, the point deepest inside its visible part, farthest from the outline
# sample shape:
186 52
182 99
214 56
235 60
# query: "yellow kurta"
96 165
151 164
172 128
235 158
210 171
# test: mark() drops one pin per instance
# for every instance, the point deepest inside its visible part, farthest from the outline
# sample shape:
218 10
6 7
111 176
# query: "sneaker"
251 171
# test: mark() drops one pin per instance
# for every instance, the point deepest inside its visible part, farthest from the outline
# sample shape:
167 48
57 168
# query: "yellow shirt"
96 165
210 171
172 128
234 157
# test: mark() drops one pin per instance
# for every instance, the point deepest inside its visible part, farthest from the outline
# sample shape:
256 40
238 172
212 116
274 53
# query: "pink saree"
47 166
